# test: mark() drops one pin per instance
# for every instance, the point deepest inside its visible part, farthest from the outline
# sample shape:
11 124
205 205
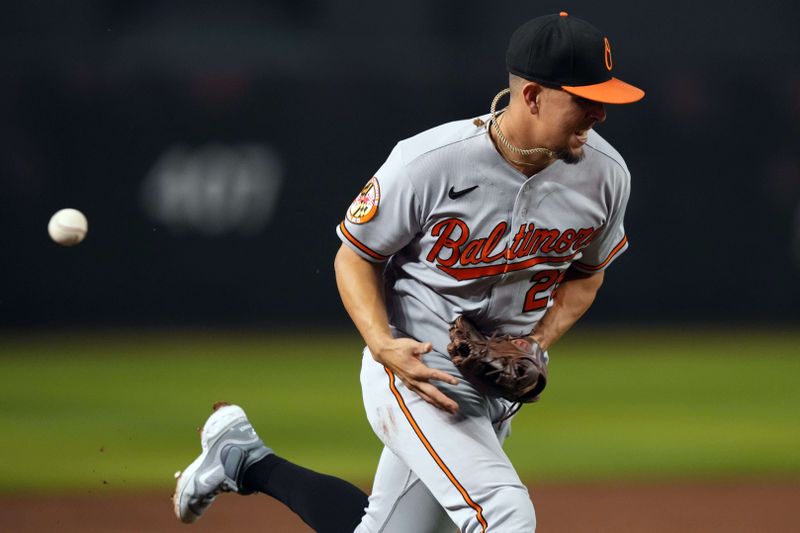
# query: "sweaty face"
565 121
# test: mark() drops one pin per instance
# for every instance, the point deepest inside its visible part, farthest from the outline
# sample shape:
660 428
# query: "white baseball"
68 227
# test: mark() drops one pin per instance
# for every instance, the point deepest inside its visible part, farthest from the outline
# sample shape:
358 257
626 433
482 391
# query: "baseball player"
510 220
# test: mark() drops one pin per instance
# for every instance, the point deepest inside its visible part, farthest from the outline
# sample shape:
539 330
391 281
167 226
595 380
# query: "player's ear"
531 93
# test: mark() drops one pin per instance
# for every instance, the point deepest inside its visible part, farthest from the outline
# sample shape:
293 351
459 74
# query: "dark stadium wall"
215 148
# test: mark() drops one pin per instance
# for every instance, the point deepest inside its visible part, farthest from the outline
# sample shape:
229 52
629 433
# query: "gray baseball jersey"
464 232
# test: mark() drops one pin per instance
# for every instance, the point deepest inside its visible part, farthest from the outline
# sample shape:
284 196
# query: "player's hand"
403 358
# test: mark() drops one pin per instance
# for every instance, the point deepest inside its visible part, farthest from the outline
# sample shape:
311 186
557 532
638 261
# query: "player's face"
566 120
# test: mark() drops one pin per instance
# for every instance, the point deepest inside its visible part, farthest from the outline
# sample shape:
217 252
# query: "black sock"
326 503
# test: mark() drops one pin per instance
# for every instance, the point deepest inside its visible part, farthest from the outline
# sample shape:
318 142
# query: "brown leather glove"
513 368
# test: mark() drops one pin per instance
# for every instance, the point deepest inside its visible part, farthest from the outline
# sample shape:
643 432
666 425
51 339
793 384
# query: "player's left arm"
571 300
577 291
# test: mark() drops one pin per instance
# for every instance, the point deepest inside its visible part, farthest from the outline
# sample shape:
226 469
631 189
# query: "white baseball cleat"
230 445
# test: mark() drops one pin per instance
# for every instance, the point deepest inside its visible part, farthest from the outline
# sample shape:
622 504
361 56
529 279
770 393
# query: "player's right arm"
360 284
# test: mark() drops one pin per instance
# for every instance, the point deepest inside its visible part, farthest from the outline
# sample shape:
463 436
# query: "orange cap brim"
613 91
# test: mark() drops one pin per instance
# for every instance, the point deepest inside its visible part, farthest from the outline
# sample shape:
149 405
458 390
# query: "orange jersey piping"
358 244
614 252
464 494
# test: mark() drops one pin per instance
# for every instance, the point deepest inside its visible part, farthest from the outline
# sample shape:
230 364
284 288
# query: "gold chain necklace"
510 147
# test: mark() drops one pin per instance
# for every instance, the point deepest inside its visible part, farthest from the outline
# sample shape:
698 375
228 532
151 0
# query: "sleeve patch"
365 206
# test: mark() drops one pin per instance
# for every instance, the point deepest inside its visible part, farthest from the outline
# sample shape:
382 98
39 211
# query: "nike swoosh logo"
453 194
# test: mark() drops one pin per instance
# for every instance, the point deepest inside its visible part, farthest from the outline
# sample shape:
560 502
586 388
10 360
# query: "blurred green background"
119 411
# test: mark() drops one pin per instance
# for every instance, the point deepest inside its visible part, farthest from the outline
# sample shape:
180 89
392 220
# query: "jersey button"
523 212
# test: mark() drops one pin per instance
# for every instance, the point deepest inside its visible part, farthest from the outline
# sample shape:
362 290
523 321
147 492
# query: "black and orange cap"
559 50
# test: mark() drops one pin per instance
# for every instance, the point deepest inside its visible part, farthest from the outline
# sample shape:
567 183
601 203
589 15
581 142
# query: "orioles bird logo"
609 62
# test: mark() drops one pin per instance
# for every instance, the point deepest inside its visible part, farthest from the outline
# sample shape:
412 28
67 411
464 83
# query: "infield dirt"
674 508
